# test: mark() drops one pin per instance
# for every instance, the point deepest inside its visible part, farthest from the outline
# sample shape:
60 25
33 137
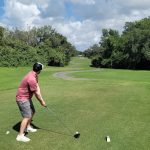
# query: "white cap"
41 64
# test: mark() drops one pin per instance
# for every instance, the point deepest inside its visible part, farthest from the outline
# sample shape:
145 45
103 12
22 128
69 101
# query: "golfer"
29 86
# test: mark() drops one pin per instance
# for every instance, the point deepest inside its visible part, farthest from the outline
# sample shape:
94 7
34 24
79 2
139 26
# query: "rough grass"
116 103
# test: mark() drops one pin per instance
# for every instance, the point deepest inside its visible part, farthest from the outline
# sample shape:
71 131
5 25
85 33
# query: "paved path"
65 75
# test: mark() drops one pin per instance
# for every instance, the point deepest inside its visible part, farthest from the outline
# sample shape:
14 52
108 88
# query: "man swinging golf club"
29 86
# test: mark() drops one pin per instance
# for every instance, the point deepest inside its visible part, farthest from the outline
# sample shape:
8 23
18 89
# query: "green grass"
115 103
112 74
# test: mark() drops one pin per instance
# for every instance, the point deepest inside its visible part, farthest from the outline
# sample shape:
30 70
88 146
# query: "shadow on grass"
16 127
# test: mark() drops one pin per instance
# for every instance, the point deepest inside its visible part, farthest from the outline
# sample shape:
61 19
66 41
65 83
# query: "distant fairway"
112 102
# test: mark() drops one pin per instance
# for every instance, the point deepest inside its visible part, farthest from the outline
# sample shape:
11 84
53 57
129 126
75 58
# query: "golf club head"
77 135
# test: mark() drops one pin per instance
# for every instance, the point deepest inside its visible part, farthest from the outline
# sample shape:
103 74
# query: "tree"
129 50
44 44
1 35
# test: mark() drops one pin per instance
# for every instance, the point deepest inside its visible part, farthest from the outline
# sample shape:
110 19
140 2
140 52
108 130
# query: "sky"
81 21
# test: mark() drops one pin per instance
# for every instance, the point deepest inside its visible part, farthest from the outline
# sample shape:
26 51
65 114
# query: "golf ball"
7 132
77 132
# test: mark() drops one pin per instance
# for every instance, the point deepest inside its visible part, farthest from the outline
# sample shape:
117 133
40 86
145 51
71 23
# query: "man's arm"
38 95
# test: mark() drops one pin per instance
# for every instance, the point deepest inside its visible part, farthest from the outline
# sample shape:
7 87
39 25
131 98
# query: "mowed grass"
114 103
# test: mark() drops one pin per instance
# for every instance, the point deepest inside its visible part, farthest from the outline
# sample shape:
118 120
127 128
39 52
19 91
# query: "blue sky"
81 21
68 10
1 7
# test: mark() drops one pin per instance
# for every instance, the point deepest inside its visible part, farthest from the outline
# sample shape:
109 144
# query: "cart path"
65 75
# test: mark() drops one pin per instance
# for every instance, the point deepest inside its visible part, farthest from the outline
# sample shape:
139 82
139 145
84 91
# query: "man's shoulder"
31 76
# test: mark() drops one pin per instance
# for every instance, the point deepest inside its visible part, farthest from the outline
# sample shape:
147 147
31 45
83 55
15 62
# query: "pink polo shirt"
27 86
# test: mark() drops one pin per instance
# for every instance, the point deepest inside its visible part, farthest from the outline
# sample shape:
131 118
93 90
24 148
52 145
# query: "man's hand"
43 103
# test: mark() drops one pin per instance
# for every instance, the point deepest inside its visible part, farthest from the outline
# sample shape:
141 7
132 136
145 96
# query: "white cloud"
18 14
134 3
19 10
82 34
84 2
2 25
37 2
83 26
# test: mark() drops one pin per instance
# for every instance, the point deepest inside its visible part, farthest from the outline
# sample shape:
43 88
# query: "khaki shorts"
26 108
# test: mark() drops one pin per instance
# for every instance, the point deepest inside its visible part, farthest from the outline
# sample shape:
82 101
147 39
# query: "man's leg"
23 126
25 110
29 128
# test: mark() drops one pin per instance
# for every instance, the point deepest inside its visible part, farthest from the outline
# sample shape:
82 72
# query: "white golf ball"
7 132
77 132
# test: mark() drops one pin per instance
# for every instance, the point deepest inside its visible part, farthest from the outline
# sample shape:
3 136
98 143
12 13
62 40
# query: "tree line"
130 50
43 44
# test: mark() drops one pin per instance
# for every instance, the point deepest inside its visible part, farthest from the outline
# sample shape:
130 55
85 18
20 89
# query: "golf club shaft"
55 132
62 123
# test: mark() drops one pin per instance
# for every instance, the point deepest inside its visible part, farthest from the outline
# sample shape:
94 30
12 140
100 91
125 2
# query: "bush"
56 59
96 61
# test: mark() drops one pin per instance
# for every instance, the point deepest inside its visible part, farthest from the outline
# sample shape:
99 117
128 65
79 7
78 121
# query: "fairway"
109 102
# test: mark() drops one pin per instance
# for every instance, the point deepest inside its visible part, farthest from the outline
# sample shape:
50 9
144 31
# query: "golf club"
76 135
61 133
